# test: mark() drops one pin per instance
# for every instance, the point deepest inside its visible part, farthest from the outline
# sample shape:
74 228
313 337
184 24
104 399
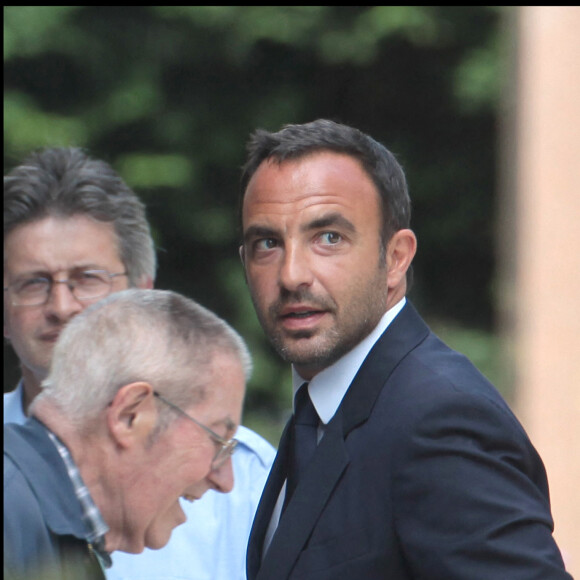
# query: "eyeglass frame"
228 446
71 284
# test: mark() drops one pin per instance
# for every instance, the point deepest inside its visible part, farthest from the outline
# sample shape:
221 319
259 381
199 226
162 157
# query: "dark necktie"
304 439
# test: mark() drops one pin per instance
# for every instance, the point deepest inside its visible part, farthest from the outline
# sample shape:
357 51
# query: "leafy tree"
169 94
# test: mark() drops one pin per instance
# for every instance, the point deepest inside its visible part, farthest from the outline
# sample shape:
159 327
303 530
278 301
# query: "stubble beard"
315 350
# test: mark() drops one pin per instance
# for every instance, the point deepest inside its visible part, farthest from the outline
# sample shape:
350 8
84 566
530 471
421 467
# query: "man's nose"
62 302
222 478
295 270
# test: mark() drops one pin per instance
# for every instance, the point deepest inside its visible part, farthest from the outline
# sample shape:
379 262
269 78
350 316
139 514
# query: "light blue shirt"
13 409
211 544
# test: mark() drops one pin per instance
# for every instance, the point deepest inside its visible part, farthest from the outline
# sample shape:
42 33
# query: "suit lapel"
267 503
311 495
405 332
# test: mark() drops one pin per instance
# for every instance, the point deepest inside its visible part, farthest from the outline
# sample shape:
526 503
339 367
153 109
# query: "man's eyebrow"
259 232
47 273
329 220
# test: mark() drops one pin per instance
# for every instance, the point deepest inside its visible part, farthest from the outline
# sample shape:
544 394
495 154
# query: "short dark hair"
64 182
296 141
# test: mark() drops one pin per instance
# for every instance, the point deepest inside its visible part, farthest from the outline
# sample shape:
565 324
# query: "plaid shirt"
91 514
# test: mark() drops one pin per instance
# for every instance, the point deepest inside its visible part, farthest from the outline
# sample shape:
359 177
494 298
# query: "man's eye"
32 284
330 238
90 277
265 244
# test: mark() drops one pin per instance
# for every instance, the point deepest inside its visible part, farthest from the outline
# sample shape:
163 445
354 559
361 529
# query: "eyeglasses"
227 447
84 285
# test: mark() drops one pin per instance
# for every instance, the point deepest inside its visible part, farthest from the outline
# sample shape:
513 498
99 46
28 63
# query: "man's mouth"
51 336
296 319
301 314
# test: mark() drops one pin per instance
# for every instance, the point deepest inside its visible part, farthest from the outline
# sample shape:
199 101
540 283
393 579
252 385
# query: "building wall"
541 292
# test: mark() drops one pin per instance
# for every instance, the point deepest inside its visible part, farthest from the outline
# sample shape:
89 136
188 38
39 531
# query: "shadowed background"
169 95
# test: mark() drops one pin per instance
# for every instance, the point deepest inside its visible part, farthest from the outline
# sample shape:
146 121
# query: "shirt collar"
13 405
96 526
328 387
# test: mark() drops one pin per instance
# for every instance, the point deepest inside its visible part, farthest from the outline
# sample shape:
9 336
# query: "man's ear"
132 415
243 259
401 250
145 283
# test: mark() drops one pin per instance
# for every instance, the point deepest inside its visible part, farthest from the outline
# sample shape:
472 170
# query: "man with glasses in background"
74 232
103 462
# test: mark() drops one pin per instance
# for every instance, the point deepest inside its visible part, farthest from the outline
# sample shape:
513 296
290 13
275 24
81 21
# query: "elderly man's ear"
132 415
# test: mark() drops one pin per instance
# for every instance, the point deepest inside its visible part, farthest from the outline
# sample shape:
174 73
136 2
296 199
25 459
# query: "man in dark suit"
418 468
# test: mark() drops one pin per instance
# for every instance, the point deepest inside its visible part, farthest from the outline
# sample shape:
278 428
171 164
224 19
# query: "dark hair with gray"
296 141
64 182
156 336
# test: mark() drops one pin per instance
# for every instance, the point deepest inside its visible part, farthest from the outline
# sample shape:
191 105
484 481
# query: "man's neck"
30 388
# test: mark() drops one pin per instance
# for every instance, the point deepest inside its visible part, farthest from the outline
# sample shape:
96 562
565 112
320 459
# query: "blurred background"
480 104
169 95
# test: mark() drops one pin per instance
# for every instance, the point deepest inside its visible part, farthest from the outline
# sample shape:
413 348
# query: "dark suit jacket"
423 473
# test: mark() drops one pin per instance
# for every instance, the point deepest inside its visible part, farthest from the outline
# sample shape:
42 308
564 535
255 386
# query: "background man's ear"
145 283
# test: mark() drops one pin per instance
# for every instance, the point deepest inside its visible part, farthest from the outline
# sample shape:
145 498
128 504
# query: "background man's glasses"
227 446
84 285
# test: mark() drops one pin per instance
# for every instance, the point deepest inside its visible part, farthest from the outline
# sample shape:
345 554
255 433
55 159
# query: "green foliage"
149 170
169 94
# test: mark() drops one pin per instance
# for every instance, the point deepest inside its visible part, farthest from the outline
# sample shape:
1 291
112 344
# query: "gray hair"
64 182
155 336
